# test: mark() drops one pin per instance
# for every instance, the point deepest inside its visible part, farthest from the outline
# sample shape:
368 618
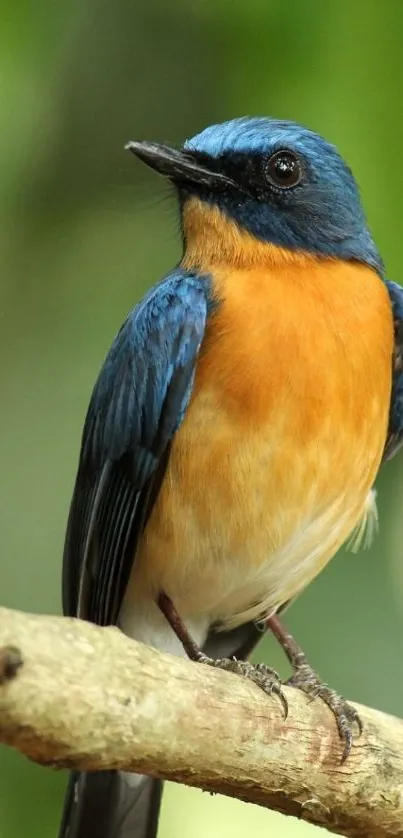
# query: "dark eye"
283 169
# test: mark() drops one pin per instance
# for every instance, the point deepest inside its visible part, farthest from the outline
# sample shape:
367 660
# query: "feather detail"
367 528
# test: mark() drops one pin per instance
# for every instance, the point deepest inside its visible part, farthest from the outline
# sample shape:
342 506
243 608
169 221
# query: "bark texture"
73 695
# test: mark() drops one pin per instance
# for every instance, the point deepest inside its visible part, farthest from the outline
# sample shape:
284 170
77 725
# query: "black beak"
179 166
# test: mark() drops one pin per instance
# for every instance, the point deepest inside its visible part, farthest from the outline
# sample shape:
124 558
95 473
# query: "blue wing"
395 430
137 405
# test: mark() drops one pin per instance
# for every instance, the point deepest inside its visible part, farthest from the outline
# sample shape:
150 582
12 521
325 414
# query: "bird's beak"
182 167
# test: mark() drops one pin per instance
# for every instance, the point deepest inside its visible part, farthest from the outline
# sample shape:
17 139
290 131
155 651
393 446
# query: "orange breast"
281 443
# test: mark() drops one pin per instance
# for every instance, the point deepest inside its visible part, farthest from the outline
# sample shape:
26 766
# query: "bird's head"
265 181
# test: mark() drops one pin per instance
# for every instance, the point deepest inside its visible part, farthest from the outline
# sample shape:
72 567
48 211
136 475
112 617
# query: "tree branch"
87 697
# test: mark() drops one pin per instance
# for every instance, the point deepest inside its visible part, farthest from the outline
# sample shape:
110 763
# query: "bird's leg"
306 679
267 679
169 611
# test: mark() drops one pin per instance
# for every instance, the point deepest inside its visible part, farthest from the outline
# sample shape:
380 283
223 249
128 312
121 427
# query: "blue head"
280 182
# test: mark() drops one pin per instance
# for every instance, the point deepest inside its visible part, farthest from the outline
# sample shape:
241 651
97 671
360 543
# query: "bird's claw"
263 676
305 679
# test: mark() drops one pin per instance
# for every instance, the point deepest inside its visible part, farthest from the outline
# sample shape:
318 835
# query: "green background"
85 229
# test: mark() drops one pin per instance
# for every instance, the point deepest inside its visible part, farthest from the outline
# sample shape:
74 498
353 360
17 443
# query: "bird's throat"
212 239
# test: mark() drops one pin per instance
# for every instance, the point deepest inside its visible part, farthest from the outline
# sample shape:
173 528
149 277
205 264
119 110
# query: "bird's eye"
283 169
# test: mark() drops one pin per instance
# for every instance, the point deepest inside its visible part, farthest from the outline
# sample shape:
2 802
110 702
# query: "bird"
237 425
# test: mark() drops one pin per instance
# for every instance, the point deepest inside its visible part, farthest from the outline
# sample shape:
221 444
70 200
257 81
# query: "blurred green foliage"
84 232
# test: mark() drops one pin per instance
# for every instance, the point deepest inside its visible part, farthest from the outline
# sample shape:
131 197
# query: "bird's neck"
214 240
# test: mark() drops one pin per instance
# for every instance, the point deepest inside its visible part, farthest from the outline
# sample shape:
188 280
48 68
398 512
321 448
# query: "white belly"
230 593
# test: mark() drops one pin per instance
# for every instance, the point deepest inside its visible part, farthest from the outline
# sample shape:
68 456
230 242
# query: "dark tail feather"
105 805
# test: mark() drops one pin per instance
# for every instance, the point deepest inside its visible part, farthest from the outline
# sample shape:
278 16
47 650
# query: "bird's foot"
265 678
305 679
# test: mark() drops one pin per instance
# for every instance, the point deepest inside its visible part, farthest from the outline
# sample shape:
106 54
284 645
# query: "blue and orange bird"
237 426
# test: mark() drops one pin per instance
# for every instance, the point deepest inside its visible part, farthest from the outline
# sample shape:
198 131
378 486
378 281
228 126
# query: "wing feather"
394 438
137 405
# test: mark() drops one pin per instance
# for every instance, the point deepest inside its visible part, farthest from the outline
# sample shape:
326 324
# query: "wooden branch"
76 695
